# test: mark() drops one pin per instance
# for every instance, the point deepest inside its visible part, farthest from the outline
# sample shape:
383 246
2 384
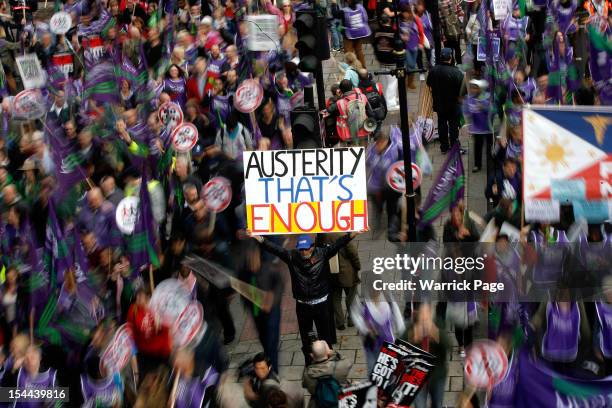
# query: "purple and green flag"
448 189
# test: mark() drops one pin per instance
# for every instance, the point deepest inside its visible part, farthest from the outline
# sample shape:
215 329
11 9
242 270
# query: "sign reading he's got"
306 191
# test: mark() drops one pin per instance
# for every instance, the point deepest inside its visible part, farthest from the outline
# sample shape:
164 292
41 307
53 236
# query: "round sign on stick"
60 23
119 351
217 194
188 325
486 364
127 214
169 300
396 178
248 96
184 137
29 104
170 115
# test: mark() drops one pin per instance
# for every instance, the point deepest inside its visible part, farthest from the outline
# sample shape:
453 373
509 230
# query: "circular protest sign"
248 96
188 325
395 176
127 214
184 137
60 23
119 351
217 194
29 104
170 115
486 364
169 300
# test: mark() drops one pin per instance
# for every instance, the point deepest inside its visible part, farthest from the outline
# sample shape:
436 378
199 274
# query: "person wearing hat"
446 82
29 185
477 111
310 283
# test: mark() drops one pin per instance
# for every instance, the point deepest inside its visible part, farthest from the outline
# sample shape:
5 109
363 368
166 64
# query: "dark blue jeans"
268 327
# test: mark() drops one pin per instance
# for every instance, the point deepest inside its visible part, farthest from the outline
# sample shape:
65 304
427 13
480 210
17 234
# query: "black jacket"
309 277
446 82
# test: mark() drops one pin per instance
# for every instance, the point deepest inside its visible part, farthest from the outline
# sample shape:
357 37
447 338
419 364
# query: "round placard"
396 178
248 96
119 351
188 325
127 214
170 115
169 300
486 364
184 137
29 104
60 23
217 194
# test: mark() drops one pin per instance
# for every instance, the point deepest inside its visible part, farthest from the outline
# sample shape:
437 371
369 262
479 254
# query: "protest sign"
248 96
486 364
363 394
170 115
169 300
29 104
119 351
567 159
501 9
306 191
189 325
217 194
396 177
64 61
60 23
30 70
263 32
482 51
126 214
184 137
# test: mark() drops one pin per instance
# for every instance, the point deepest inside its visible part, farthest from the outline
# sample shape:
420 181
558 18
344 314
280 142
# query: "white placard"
263 32
542 210
60 23
32 74
306 191
126 214
169 301
501 8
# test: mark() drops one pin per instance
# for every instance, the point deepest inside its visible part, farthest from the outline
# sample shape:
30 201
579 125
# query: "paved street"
349 343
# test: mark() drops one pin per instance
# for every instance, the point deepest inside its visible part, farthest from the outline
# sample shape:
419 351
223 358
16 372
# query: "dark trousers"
348 300
455 45
479 141
319 315
464 336
268 328
448 126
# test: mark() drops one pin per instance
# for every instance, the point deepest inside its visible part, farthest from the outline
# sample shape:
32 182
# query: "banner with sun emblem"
567 154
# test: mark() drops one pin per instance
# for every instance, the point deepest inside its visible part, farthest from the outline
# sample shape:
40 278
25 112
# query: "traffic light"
312 43
305 128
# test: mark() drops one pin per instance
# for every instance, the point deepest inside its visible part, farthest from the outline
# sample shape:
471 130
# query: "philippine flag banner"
567 158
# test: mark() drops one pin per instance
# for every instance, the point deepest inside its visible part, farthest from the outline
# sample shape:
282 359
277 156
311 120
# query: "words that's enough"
305 191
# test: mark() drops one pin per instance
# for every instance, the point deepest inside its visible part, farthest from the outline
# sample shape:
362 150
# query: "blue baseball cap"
304 242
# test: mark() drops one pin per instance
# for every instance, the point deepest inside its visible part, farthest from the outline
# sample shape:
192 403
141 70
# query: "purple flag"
448 189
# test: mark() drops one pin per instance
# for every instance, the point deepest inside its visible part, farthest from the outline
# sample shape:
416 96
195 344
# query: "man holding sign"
309 270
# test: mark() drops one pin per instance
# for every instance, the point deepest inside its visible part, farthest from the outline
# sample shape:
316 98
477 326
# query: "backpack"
356 116
327 391
376 102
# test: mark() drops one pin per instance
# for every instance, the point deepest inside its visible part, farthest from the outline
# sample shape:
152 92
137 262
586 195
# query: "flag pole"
151 282
174 388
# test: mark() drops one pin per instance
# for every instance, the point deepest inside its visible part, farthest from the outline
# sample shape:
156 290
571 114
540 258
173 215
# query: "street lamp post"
400 73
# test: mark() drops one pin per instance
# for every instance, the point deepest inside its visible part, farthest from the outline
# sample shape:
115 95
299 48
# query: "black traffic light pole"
400 73
320 86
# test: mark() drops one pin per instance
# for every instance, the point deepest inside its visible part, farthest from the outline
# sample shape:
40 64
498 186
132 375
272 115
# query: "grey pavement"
349 343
